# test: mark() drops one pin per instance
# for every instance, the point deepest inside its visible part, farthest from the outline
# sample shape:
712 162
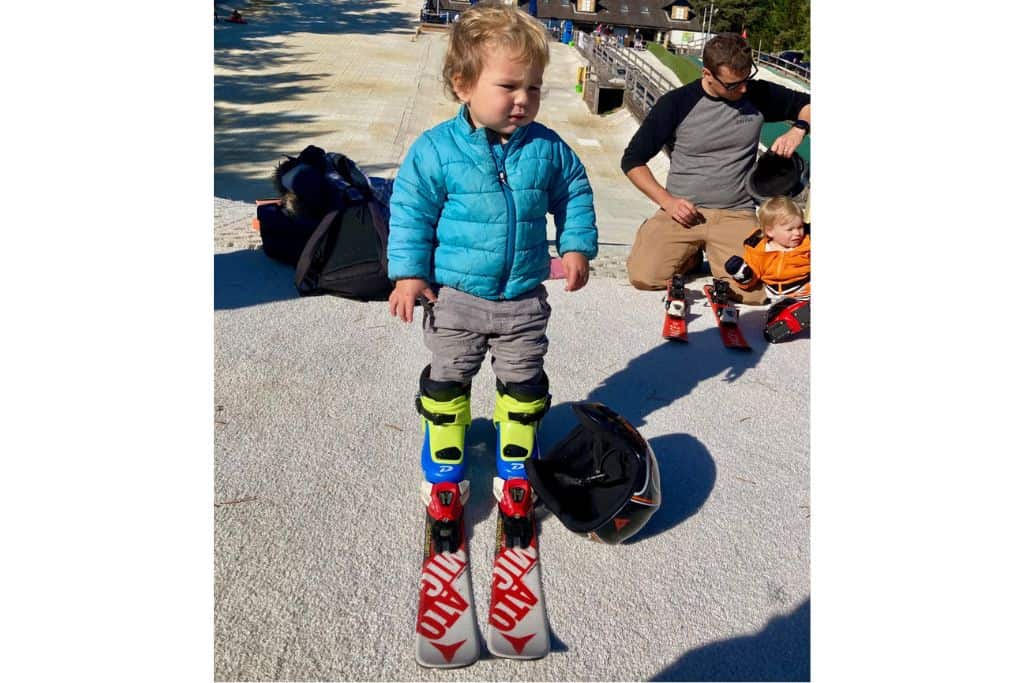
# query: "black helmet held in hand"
602 479
775 175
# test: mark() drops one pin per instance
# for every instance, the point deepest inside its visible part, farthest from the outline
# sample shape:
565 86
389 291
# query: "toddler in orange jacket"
779 255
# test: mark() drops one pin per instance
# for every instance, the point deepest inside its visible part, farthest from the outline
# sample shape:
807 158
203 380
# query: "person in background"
778 255
710 128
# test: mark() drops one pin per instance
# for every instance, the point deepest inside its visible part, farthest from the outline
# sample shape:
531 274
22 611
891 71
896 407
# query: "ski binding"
517 617
446 635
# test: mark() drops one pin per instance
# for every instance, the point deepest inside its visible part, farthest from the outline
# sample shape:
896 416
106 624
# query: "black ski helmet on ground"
775 175
602 479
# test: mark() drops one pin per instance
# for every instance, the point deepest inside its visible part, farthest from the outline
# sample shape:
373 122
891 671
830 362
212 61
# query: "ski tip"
431 655
534 646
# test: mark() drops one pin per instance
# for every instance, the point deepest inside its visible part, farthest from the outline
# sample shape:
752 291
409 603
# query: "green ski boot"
446 415
518 409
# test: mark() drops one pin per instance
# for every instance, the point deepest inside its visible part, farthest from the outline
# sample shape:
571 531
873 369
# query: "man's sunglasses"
732 86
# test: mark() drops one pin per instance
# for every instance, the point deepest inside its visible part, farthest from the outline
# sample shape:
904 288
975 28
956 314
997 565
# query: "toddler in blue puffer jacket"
469 217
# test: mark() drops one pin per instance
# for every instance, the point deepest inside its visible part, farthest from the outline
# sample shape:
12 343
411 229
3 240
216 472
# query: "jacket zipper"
510 242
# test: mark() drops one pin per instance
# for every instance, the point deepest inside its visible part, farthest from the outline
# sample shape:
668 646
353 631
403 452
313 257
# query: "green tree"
774 24
787 26
732 15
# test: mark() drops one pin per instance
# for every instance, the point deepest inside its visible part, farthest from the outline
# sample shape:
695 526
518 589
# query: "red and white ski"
676 308
446 635
726 314
517 619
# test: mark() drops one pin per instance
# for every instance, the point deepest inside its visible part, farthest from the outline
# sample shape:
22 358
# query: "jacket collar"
479 135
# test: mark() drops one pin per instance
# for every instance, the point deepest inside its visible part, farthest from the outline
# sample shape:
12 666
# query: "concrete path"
363 83
317 519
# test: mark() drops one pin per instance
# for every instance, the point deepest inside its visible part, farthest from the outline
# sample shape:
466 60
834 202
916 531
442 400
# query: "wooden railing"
800 72
611 63
643 84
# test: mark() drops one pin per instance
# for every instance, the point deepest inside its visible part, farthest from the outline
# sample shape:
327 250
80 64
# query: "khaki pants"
664 247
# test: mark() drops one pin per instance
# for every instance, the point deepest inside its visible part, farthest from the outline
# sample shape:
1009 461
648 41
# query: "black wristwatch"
802 125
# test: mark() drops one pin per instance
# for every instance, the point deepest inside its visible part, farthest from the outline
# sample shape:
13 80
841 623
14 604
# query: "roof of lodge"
641 13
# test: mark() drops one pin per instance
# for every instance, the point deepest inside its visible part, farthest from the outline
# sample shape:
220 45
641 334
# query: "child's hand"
739 270
577 270
402 301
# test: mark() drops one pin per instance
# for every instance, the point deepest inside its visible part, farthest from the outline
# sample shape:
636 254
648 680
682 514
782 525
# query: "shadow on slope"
281 17
248 277
668 372
273 74
688 475
657 379
781 651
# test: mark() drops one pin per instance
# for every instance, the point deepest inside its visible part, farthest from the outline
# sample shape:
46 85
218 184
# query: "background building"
633 21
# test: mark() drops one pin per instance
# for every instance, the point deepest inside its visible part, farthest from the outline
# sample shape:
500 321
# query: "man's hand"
683 211
787 143
680 210
402 301
577 270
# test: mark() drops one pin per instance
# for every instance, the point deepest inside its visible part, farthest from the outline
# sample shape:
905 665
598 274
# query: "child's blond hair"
483 27
776 209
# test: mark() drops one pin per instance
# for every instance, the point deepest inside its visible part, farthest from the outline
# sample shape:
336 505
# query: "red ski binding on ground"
726 314
676 309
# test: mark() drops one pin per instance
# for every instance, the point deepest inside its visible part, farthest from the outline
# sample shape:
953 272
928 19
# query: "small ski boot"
446 415
518 410
787 318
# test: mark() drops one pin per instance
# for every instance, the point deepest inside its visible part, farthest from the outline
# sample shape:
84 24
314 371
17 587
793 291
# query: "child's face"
506 96
786 232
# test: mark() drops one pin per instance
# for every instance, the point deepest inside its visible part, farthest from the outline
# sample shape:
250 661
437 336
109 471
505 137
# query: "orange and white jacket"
784 273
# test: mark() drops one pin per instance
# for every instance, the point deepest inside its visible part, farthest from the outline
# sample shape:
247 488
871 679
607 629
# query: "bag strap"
306 260
381 223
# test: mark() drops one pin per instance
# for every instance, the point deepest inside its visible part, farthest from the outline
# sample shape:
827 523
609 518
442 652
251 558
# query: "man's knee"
644 279
651 278
647 286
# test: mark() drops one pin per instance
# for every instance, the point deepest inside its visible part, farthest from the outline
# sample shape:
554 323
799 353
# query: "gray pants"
459 328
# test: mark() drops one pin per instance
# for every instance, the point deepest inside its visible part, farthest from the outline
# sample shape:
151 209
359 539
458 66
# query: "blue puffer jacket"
472 214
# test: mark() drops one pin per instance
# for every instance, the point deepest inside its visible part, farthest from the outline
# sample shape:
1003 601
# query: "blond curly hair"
484 27
776 209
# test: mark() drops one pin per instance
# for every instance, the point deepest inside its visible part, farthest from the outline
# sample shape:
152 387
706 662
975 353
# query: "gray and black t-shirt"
711 142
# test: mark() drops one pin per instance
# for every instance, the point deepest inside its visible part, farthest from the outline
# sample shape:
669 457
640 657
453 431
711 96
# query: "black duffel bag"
284 235
347 254
331 224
